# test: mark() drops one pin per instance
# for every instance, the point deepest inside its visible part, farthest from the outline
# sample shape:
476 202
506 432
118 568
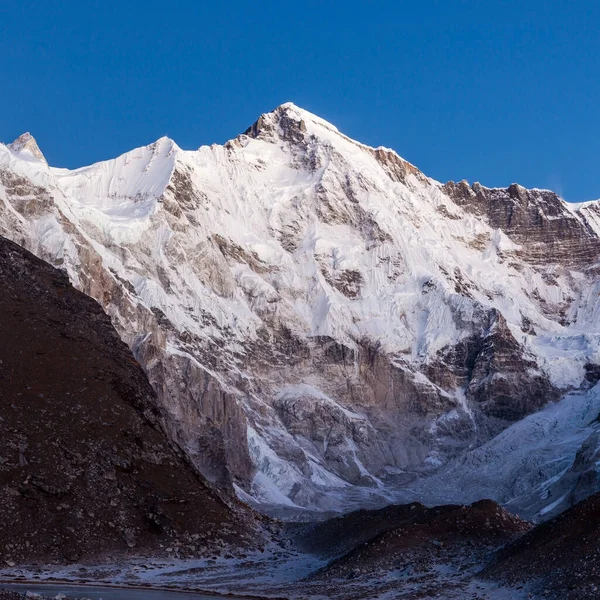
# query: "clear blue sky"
488 91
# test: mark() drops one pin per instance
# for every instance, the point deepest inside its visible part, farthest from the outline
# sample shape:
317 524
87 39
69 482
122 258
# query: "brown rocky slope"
84 467
561 557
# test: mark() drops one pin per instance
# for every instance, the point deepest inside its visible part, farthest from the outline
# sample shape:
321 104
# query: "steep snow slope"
316 314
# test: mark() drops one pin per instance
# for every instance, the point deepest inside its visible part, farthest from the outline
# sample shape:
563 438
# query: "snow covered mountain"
324 324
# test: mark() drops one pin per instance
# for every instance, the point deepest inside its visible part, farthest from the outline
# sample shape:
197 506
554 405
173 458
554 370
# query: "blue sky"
487 91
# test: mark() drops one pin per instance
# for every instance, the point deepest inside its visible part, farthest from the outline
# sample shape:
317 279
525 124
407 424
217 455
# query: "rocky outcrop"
538 221
498 376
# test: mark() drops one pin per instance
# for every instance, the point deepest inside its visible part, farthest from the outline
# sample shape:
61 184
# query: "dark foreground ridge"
396 528
84 467
561 556
451 552
409 551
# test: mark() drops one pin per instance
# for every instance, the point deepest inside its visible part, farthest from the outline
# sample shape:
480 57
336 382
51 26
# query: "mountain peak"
289 122
287 106
27 143
269 124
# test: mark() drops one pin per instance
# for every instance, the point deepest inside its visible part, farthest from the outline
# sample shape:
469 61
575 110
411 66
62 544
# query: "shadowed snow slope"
316 315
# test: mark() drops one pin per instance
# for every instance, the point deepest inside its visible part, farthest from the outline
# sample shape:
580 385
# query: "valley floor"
276 574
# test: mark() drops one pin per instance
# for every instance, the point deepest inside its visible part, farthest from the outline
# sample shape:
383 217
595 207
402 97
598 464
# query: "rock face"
316 315
84 467
548 231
